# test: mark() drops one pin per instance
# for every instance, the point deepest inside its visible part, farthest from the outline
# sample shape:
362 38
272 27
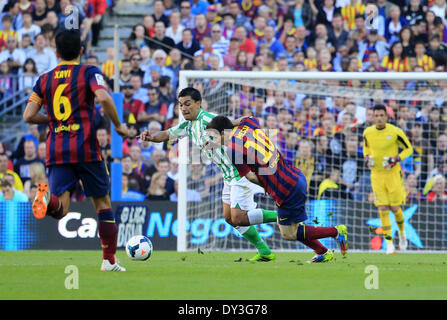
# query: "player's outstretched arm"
160 136
237 121
32 115
108 105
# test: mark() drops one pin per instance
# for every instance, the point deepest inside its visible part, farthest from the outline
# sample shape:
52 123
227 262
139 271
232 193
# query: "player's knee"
239 217
288 234
229 221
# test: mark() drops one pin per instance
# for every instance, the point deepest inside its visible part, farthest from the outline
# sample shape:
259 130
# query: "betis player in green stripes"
238 193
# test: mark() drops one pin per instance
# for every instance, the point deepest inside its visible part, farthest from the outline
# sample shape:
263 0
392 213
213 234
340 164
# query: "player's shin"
315 245
305 232
400 220
108 233
252 235
55 208
258 216
386 225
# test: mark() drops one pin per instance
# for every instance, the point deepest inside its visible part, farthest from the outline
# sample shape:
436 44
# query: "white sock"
242 230
255 216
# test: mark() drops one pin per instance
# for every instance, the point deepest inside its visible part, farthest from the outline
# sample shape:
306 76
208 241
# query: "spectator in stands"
156 190
10 194
43 56
37 175
132 105
17 182
159 13
302 13
99 7
372 43
140 93
138 36
188 46
220 44
22 165
187 19
438 8
394 24
125 72
332 188
191 195
138 164
240 18
438 191
13 55
175 29
155 109
305 159
174 68
7 82
162 167
29 77
290 147
39 14
53 5
396 60
104 145
245 44
28 28
160 40
159 58
196 180
326 12
135 61
126 162
7 28
203 28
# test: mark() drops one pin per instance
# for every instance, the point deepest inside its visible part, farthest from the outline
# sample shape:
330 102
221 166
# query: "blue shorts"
94 176
293 209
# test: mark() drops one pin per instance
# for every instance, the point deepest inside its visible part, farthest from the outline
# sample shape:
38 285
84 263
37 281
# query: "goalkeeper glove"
390 162
369 161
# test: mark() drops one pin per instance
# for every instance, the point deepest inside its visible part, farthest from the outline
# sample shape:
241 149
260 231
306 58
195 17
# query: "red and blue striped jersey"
251 150
67 92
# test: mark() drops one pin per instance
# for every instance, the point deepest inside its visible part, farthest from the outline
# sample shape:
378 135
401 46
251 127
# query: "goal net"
316 120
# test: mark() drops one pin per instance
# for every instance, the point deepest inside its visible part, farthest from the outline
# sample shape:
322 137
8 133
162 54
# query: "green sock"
253 236
269 215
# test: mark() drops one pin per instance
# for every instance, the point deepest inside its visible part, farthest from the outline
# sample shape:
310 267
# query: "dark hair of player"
220 123
191 92
68 44
379 107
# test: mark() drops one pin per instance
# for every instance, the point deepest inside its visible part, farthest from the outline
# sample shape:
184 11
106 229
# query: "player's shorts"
240 194
388 187
293 209
93 175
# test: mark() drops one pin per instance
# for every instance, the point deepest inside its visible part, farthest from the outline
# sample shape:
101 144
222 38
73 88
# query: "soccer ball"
139 248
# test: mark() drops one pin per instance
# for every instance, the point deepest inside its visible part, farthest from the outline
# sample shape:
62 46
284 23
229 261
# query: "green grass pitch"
222 276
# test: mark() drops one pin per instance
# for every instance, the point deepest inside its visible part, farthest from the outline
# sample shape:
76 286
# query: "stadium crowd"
321 135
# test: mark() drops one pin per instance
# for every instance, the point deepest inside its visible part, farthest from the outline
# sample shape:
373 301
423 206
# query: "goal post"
201 223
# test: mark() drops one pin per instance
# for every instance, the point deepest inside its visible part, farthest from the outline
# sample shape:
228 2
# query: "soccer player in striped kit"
237 196
67 93
258 159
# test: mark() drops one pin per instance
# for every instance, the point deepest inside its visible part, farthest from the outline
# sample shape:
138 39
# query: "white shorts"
240 194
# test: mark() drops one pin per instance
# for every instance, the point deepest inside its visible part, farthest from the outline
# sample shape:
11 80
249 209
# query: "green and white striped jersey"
196 130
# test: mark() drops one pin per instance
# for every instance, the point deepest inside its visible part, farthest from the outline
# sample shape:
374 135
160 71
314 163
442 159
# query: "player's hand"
122 131
210 145
369 161
390 162
145 136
